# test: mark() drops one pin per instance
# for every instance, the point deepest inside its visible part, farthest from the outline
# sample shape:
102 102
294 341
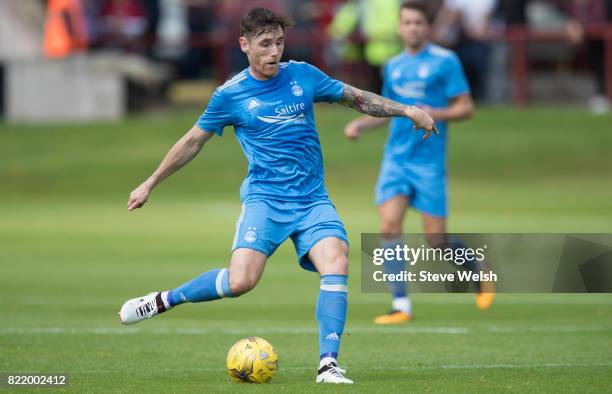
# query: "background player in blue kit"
270 104
413 171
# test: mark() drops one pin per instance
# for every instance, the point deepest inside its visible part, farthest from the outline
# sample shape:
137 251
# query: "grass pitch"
70 254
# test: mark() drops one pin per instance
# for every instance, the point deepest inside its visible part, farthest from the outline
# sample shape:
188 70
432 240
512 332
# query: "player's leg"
435 235
391 214
330 257
322 246
434 228
245 269
393 195
258 234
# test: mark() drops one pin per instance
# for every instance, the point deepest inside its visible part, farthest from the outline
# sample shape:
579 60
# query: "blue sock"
331 313
398 289
470 264
211 285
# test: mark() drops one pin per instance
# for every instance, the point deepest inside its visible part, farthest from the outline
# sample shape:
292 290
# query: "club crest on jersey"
251 235
423 71
296 89
254 103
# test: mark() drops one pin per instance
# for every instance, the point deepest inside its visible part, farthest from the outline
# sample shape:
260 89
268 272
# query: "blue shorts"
424 184
264 225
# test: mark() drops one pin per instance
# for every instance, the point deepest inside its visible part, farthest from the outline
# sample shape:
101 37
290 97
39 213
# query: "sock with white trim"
331 314
211 285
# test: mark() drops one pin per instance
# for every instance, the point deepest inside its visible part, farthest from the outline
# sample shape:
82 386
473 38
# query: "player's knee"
391 227
342 262
240 284
338 264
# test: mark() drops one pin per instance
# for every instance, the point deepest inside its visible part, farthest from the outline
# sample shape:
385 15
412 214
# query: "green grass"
70 254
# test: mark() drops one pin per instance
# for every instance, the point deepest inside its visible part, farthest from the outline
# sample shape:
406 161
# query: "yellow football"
252 360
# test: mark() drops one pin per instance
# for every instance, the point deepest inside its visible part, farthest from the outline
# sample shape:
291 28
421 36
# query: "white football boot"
141 308
331 373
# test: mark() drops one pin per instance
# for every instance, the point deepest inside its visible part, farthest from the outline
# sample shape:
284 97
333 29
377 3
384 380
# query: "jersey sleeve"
217 114
325 88
455 82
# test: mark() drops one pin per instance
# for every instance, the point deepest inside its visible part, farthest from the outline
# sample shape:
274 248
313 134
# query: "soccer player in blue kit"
271 107
413 171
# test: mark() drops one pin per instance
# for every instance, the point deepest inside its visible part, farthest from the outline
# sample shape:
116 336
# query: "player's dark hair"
418 5
261 20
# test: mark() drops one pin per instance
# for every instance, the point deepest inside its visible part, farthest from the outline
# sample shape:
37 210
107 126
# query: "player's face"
413 28
264 52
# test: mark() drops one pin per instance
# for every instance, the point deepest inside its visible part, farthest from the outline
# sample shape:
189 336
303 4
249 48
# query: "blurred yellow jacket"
377 22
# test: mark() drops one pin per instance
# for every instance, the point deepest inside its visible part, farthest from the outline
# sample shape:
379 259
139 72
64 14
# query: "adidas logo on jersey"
332 337
253 104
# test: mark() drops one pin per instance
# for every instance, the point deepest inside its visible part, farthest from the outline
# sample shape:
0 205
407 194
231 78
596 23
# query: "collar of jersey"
265 81
419 53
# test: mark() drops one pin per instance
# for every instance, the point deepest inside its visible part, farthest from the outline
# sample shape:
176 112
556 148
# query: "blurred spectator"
506 14
125 25
512 12
122 24
153 15
464 25
583 13
92 10
375 23
306 14
327 10
200 25
65 28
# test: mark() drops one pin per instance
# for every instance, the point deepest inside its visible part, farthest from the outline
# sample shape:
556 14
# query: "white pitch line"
547 329
406 368
297 330
444 299
228 331
539 365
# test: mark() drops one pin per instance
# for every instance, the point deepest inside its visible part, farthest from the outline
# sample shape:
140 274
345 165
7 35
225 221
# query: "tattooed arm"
374 105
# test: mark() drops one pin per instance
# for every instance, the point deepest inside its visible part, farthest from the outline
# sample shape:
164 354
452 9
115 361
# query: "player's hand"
574 32
138 197
422 121
352 131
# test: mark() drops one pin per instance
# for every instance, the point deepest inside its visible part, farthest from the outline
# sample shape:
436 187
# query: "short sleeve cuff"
210 128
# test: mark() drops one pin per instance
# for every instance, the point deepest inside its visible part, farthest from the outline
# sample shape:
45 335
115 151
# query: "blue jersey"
431 77
274 123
